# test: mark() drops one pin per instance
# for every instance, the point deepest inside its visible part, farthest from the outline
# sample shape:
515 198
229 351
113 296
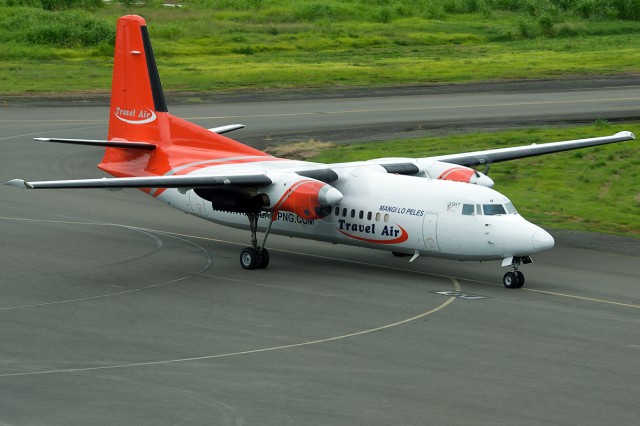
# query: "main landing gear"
515 279
256 257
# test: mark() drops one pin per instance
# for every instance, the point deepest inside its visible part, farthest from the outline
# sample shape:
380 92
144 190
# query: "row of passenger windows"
467 210
488 209
360 214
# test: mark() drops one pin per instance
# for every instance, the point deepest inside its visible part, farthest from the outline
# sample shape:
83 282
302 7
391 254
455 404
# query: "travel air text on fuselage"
387 230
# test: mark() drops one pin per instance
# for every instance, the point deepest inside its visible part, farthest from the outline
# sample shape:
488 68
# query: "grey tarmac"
116 309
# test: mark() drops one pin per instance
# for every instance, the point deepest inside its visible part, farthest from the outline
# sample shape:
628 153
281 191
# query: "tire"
510 280
249 258
520 279
264 260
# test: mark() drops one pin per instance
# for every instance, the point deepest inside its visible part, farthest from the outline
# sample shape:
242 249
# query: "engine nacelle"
308 198
455 172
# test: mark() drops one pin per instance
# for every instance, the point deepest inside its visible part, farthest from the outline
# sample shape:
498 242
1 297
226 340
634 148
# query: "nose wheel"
515 279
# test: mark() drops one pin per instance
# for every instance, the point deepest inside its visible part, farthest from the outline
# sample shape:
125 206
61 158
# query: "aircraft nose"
542 240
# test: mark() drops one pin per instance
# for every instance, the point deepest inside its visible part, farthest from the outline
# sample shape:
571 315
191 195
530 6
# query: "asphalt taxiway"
116 309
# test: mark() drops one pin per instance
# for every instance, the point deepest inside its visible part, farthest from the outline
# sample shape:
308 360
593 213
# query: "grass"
593 189
259 44
225 45
300 150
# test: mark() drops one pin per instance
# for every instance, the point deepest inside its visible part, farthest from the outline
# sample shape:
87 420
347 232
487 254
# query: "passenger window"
468 209
368 215
386 218
361 215
344 212
353 213
337 211
377 217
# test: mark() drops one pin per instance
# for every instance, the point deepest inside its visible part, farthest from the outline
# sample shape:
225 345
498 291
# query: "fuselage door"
198 206
429 230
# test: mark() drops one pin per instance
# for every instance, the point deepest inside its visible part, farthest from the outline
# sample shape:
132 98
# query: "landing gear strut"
515 279
256 257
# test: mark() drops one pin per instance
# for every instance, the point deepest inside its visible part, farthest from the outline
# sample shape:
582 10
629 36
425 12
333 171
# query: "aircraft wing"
255 180
505 154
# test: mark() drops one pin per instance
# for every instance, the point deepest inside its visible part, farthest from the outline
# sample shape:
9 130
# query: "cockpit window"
510 208
468 209
493 209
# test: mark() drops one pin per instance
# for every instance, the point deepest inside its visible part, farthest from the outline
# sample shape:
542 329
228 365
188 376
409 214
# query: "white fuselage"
397 213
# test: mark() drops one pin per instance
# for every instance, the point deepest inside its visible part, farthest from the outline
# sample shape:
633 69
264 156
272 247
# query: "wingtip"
19 183
631 135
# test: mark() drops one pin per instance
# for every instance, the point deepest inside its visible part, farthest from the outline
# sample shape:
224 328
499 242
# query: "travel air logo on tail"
135 116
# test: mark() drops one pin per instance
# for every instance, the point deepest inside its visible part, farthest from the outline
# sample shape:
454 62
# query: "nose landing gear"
515 279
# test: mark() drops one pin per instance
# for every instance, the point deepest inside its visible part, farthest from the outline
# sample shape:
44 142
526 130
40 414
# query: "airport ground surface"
116 309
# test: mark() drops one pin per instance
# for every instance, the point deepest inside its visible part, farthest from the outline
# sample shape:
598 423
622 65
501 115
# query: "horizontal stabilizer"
226 129
18 183
203 181
91 142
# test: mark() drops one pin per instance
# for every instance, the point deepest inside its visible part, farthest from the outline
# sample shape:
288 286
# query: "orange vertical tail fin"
139 113
136 91
138 108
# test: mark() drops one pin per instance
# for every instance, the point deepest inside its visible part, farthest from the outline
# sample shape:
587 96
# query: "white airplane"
435 206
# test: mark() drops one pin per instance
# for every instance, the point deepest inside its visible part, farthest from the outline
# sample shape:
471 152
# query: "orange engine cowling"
448 171
306 197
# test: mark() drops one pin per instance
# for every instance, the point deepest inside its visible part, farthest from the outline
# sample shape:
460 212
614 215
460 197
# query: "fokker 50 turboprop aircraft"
434 206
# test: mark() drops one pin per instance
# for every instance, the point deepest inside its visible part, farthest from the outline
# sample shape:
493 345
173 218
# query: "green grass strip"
231 45
594 189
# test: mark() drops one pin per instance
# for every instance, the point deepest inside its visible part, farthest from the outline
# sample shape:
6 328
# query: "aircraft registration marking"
401 210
